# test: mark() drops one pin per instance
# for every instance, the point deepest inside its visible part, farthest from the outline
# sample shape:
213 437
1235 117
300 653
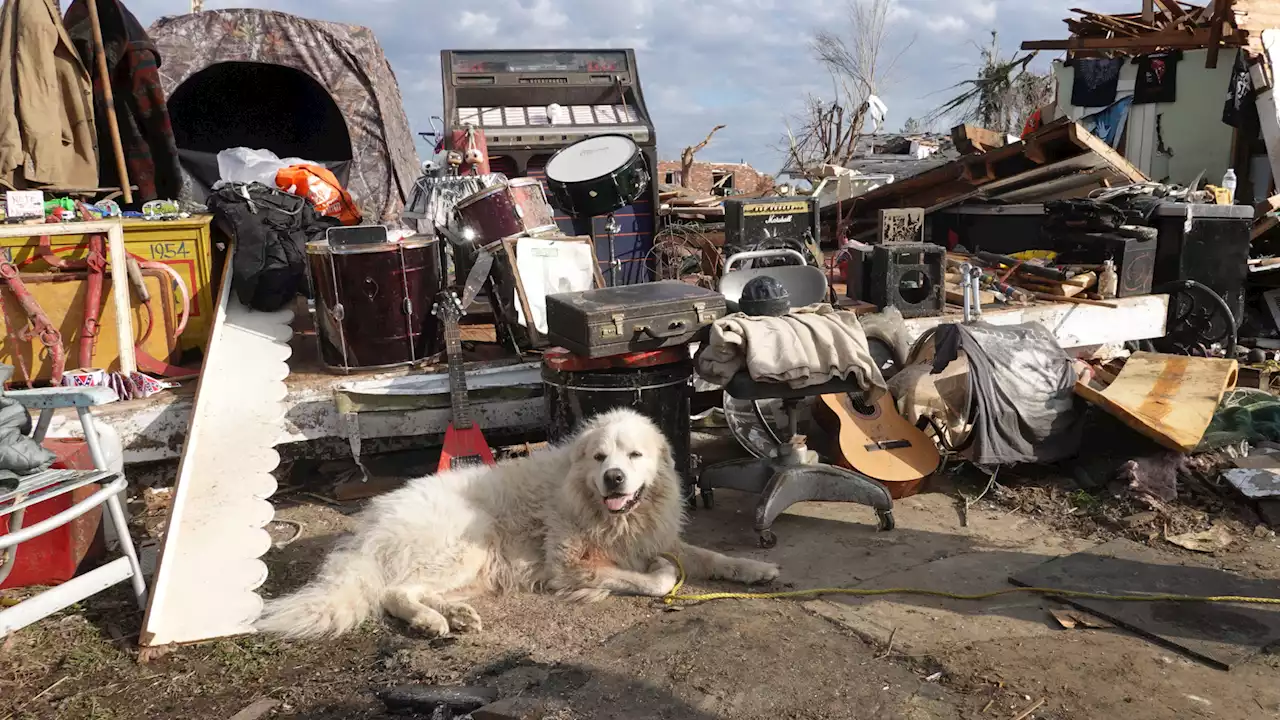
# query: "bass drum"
373 303
597 176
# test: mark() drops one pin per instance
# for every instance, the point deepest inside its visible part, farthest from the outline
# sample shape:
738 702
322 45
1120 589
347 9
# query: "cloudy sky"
743 63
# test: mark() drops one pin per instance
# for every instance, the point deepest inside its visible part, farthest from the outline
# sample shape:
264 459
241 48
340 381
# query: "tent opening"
258 105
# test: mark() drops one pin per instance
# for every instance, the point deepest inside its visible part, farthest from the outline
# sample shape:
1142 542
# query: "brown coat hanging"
47 136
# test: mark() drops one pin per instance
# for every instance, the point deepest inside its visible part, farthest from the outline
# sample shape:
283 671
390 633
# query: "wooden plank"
1268 107
1215 32
1168 398
119 259
955 295
1172 8
1076 326
1088 140
209 567
1148 11
1196 39
971 139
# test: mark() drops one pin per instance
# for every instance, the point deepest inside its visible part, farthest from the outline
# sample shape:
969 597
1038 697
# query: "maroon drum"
373 303
519 207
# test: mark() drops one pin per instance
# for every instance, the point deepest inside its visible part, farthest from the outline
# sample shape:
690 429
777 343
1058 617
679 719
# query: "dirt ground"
891 657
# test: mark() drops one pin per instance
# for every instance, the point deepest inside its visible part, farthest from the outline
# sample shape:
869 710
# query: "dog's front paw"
664 574
585 595
753 572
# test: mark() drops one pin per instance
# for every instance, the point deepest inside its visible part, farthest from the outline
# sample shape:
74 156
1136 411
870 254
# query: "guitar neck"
457 375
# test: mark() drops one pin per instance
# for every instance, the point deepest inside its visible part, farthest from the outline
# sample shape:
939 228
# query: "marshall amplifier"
771 222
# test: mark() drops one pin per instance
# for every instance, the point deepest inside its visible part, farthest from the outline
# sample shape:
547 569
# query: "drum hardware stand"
971 287
612 227
408 307
338 312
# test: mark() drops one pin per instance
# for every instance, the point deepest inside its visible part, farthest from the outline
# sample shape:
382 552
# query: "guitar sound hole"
861 407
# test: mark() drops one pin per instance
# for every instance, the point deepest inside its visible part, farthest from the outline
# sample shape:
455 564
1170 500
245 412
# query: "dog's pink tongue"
617 502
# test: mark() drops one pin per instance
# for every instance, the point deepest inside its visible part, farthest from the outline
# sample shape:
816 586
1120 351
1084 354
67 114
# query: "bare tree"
827 130
1002 95
686 156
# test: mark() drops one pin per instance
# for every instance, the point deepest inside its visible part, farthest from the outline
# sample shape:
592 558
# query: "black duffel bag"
270 230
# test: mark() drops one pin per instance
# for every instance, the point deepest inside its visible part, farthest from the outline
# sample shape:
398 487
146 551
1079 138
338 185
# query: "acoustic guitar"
877 442
464 444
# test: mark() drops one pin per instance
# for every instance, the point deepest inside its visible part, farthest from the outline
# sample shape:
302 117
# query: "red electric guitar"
464 444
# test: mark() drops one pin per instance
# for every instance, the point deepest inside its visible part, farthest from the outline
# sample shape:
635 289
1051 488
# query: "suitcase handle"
677 327
758 254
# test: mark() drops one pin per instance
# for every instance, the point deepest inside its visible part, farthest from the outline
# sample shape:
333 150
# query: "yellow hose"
674 596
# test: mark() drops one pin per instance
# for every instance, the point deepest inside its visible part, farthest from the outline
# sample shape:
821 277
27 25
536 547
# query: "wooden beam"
1088 140
1196 39
1148 11
970 139
1215 32
1172 8
1034 150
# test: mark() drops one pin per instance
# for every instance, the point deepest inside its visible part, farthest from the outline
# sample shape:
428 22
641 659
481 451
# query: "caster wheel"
886 519
708 498
768 539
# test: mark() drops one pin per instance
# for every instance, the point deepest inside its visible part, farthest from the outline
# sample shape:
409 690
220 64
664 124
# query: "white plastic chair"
48 484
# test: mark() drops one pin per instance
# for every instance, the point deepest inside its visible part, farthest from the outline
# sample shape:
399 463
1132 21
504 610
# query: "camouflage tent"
298 87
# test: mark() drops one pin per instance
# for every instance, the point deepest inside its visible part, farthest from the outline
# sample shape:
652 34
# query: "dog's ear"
581 444
664 451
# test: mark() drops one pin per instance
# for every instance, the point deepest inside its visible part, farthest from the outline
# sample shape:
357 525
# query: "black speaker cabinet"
907 276
1132 249
772 220
1210 245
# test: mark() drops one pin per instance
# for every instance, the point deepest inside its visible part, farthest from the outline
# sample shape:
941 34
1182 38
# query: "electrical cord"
674 595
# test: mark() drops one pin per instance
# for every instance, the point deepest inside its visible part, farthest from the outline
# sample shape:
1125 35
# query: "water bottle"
1229 184
1108 281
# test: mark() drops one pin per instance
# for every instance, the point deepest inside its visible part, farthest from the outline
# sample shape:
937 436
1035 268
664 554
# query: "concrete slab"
836 545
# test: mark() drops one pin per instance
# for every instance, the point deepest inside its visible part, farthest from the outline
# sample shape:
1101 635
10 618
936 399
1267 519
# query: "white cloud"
477 24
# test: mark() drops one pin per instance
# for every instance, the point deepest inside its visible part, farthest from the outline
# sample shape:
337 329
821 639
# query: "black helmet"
764 296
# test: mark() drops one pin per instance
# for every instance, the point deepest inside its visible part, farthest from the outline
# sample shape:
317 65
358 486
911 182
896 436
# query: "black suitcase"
631 318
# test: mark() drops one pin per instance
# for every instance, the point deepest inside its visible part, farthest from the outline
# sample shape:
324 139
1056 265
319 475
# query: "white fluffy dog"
585 519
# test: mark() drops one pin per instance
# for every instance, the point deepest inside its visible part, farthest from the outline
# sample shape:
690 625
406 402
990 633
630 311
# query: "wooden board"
208 572
1060 160
1222 634
1168 398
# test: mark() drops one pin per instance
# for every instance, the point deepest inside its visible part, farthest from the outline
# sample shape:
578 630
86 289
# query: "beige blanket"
808 346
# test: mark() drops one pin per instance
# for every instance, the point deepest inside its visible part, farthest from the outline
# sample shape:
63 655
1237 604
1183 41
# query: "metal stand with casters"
793 475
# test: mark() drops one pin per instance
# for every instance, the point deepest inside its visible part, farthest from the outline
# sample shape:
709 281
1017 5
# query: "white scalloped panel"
209 570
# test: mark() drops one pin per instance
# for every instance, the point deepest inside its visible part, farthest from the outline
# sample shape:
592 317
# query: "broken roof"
1168 24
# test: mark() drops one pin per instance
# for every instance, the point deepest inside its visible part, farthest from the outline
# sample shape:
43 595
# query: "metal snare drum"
373 303
597 176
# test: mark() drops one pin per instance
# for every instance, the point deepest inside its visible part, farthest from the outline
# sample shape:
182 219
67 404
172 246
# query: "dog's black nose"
613 479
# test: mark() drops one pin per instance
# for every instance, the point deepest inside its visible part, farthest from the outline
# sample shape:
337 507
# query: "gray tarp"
1022 386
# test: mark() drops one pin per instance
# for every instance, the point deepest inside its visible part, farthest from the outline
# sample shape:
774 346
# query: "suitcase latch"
700 310
616 330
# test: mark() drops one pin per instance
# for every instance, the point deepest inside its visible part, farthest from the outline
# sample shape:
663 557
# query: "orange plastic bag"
324 191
